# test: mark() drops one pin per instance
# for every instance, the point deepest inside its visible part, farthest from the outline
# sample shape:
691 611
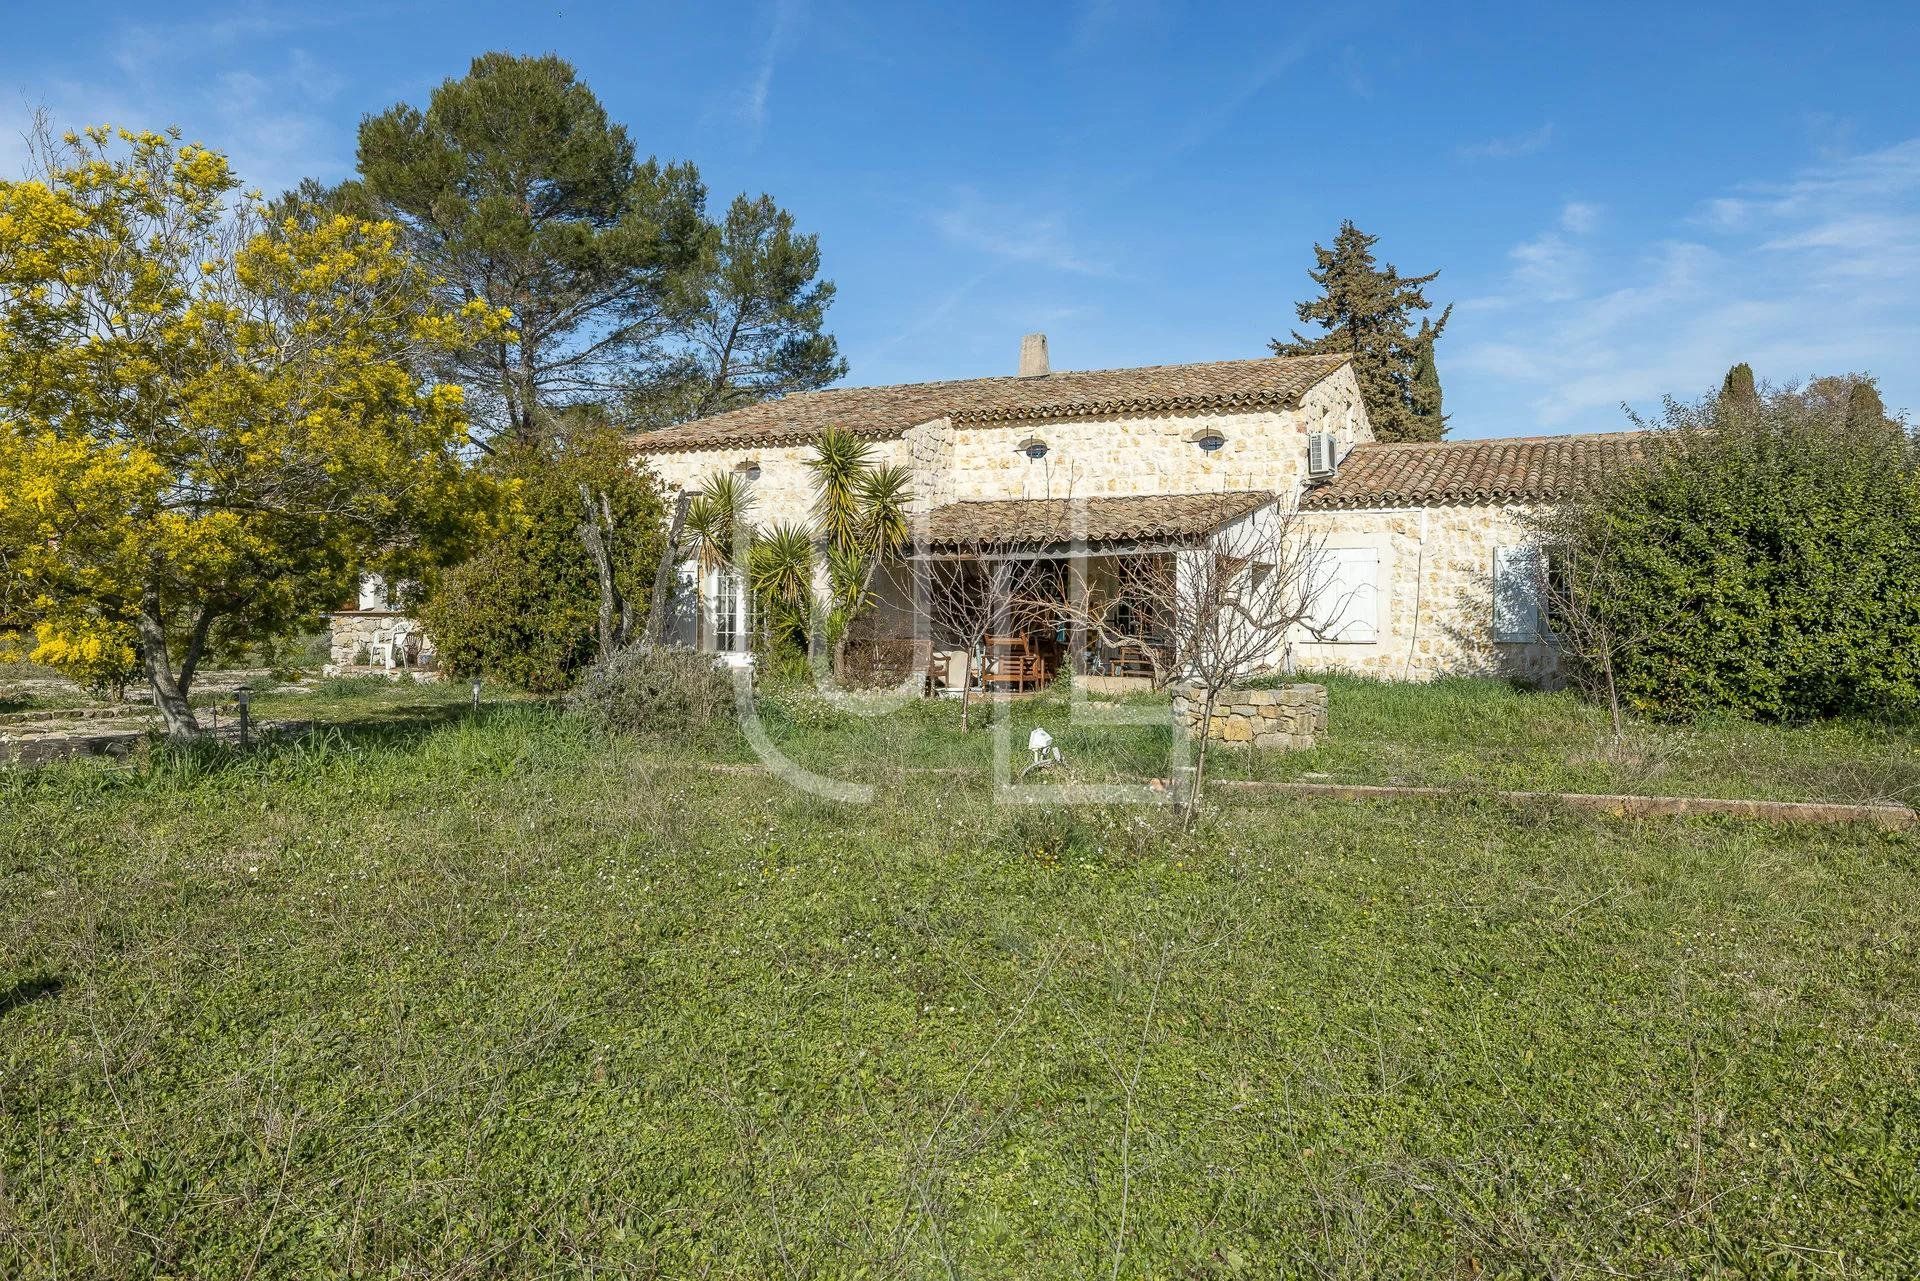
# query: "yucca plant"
716 517
860 520
780 574
886 493
850 586
840 465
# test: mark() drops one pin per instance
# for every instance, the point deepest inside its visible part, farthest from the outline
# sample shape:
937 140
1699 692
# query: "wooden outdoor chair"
1012 665
1135 658
941 672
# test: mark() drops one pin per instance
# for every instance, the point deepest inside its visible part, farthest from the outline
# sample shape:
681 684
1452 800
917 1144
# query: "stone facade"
1433 607
1158 454
781 483
378 638
1285 719
1086 456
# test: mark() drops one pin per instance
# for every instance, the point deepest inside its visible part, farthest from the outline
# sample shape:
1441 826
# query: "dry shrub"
654 690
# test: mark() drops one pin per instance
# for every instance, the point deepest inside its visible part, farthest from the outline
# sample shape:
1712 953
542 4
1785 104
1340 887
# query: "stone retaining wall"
1283 719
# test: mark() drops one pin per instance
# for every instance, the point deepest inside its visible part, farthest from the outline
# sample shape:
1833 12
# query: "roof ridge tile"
889 411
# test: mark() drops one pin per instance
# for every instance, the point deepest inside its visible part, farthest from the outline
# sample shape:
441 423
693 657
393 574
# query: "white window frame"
728 585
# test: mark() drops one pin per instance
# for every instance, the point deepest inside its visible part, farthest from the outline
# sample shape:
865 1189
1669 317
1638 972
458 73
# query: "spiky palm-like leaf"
780 565
780 575
886 492
840 466
717 516
848 579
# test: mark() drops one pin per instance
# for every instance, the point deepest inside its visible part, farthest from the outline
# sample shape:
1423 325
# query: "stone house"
1427 553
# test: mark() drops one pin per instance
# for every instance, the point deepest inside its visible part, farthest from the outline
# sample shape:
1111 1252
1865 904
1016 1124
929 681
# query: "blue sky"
1623 201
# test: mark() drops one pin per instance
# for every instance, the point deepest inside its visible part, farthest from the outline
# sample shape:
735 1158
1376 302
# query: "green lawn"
487 996
1466 733
1474 734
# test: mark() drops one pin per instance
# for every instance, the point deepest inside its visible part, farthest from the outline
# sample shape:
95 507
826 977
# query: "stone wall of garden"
386 639
1288 718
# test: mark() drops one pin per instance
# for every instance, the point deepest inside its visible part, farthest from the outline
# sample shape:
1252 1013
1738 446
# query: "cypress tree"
1864 408
1425 395
1738 391
1368 310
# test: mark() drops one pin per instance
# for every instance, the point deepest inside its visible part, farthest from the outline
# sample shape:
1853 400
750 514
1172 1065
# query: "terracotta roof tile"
1454 473
1051 521
879 413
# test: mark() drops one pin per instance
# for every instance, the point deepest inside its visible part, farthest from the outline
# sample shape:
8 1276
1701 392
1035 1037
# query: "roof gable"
880 413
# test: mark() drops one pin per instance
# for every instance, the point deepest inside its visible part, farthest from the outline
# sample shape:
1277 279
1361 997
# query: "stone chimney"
1033 356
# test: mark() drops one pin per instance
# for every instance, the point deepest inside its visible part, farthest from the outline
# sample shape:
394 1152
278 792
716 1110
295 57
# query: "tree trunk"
595 536
1613 695
966 688
663 573
1200 758
169 690
526 392
623 631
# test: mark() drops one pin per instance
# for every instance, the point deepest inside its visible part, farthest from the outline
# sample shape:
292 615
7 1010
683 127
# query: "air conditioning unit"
1323 453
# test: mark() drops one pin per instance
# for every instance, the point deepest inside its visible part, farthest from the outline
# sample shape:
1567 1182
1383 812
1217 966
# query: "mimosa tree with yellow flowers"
209 424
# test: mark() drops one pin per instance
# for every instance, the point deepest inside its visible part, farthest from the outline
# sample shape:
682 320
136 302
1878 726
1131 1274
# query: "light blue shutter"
1516 594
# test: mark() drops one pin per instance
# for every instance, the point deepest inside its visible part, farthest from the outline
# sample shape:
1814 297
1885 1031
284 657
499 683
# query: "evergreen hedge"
524 609
1765 560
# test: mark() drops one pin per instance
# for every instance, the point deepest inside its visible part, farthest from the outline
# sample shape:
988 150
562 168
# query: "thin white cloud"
938 315
1015 233
1358 83
1207 120
1548 266
753 103
1510 147
1099 21
267 104
1554 265
1814 274
1579 217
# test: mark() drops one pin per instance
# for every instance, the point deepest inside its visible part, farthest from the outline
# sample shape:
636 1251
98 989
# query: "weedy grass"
1479 732
1471 734
499 996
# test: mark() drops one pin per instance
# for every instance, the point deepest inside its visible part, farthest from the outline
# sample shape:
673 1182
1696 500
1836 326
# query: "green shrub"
655 690
1761 561
524 609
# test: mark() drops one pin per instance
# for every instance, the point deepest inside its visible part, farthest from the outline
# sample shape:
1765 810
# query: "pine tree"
1367 310
1738 390
513 186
